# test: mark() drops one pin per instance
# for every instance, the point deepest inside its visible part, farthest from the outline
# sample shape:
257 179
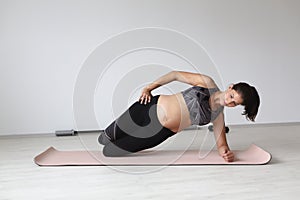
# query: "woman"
152 120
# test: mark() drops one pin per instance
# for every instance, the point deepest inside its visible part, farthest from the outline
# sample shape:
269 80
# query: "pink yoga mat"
254 155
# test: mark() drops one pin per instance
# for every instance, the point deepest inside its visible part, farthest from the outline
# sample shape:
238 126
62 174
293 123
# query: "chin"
223 103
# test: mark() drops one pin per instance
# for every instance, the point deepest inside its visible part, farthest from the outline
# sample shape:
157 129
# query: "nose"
230 103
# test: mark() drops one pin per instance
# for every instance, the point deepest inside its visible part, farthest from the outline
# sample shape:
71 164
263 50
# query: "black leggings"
136 129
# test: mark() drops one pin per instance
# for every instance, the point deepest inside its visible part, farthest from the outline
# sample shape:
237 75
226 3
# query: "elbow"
208 80
175 75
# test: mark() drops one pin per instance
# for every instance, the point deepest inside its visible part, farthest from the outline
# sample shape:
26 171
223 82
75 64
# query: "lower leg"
130 144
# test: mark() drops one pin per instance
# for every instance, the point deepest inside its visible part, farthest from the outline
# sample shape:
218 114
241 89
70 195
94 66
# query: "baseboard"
3 136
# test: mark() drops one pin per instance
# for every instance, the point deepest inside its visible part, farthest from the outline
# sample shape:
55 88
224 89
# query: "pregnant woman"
153 119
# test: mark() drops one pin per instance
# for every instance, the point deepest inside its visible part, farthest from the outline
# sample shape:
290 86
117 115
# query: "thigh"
136 117
132 119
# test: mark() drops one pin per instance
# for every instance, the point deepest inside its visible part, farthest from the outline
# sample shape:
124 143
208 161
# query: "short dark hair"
250 98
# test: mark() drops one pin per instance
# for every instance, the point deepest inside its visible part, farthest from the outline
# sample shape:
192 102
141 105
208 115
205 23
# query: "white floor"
20 178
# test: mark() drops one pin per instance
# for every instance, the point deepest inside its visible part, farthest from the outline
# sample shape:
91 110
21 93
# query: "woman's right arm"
194 79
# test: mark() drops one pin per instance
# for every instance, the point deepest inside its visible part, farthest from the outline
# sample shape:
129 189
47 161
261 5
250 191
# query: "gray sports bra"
197 101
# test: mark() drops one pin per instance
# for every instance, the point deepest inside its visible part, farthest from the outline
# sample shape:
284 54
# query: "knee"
111 150
106 152
103 139
110 130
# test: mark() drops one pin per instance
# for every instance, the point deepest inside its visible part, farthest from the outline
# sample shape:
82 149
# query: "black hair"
250 98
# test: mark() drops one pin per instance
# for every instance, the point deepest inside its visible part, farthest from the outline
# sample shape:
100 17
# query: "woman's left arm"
220 137
163 80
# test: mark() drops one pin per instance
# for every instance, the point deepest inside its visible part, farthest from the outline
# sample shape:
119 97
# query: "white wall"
45 43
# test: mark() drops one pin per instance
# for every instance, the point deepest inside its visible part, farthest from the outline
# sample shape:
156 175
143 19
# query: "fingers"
144 99
145 96
228 156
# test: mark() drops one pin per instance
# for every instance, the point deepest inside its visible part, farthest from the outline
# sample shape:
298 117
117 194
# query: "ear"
231 86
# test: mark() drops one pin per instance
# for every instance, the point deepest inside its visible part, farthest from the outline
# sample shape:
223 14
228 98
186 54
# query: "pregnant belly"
172 112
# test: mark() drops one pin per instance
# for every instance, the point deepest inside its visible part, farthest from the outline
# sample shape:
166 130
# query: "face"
232 98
